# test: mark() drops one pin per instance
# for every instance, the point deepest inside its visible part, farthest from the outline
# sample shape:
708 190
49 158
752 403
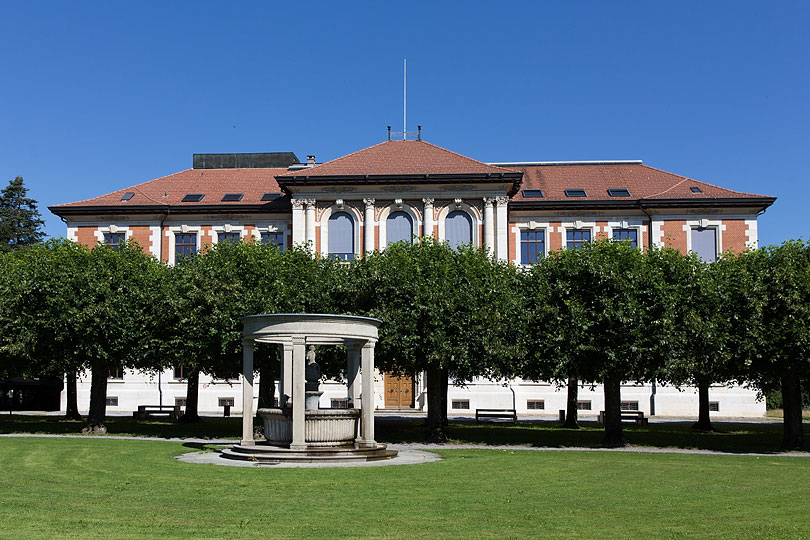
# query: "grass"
778 413
731 437
124 489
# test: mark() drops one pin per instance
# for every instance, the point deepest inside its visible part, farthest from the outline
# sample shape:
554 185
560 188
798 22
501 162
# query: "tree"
20 221
454 314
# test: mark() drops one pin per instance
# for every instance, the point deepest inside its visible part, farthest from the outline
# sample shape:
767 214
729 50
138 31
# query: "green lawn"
96 488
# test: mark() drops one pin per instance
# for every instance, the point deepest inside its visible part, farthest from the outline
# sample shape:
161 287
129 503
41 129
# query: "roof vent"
575 193
193 197
127 196
618 192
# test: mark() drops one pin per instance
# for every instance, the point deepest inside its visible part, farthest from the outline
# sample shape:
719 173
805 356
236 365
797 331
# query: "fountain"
298 430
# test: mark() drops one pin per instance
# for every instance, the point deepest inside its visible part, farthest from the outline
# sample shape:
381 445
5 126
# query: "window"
618 192
112 401
179 402
535 404
232 237
626 235
704 243
576 238
116 373
185 244
398 228
461 404
273 239
583 405
696 189
114 239
342 403
714 406
575 193
271 196
127 196
532 193
192 197
180 372
458 229
532 246
226 402
232 197
629 405
341 236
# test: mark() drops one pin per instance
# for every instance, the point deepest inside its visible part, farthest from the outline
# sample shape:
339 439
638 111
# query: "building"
399 189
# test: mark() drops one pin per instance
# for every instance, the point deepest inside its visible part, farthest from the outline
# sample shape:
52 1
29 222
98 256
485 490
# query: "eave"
761 203
280 206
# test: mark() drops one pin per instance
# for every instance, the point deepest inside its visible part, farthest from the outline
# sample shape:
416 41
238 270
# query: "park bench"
496 413
149 411
633 416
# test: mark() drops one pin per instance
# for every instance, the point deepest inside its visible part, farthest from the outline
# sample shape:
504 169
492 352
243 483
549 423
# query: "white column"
427 218
368 225
502 228
367 399
298 226
285 382
298 359
489 225
247 393
310 223
353 373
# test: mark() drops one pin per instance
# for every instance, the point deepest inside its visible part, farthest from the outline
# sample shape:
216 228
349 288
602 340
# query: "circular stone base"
268 453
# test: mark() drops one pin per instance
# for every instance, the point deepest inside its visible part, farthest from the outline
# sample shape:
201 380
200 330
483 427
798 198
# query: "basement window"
192 197
714 406
226 402
271 196
342 403
532 193
575 193
583 405
629 405
180 402
535 404
112 401
232 197
618 192
127 196
461 404
696 189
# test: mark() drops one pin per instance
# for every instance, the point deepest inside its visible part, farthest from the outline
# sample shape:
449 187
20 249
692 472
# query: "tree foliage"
20 221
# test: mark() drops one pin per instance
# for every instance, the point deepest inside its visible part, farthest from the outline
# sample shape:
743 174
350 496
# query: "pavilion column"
489 225
368 225
310 223
285 377
298 365
298 226
367 399
353 373
502 228
247 393
427 218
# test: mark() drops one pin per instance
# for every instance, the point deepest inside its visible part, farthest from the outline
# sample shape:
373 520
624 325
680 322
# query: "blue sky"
99 96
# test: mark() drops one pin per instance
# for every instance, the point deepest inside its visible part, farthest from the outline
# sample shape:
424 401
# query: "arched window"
458 229
341 236
398 227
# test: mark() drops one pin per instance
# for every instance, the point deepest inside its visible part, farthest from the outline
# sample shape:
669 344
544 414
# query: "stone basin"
322 427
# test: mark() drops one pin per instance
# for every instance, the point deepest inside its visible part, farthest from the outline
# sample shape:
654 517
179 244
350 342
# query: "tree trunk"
613 413
437 405
72 406
571 404
192 398
98 399
704 423
792 412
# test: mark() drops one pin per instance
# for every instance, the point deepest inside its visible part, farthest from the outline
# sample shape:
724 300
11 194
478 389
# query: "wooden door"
398 392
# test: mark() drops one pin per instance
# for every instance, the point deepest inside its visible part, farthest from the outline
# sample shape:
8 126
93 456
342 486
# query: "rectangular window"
112 401
461 404
532 246
714 406
223 401
179 402
185 244
340 403
273 239
576 238
535 404
192 197
116 373
530 193
629 405
114 239
704 243
232 197
232 237
575 193
180 373
583 405
626 235
618 192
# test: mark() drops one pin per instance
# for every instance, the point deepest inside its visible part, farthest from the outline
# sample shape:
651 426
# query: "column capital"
310 203
501 200
489 201
428 201
297 203
369 202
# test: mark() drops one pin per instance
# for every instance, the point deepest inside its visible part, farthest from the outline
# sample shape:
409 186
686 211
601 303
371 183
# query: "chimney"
310 160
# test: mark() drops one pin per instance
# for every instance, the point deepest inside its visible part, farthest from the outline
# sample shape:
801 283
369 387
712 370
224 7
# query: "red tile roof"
642 181
400 158
214 183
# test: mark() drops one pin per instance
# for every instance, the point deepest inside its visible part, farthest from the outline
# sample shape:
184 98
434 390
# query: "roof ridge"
687 178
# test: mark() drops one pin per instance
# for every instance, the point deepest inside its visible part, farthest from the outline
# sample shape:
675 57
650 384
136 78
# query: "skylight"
271 196
232 197
575 193
618 192
127 196
532 193
696 189
193 197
